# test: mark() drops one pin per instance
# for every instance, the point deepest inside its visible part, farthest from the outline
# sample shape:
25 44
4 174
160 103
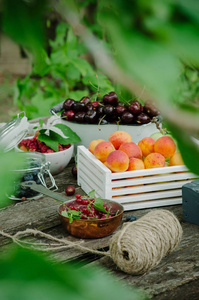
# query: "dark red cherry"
100 110
135 107
79 116
151 109
74 171
110 98
85 99
127 117
95 104
89 106
108 109
70 190
120 109
143 118
79 106
68 104
91 117
68 115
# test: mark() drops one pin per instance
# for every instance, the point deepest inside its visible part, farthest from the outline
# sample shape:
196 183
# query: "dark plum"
68 115
91 117
135 107
127 117
110 98
79 116
79 106
143 118
68 103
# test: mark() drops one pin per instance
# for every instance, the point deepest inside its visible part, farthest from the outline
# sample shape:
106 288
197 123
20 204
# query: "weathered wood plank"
175 270
174 276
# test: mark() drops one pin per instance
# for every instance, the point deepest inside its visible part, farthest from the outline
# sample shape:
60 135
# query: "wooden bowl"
93 228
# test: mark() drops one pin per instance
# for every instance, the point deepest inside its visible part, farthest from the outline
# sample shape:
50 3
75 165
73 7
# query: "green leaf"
91 194
68 132
53 144
64 213
56 137
98 204
82 65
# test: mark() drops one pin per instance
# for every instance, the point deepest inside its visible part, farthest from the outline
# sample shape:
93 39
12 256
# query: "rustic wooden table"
176 277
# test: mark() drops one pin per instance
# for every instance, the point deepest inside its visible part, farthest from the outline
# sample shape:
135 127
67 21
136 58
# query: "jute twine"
136 248
139 246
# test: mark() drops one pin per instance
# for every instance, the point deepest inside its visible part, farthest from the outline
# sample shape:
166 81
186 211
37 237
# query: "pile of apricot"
121 154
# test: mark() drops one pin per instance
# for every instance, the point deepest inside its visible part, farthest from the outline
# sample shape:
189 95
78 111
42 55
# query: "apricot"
146 145
131 149
119 137
93 144
176 160
154 160
117 161
102 150
165 145
135 164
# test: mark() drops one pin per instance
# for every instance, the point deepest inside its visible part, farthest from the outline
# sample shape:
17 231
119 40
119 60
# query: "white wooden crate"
133 189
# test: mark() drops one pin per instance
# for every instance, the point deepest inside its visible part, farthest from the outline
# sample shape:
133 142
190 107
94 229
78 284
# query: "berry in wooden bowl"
89 217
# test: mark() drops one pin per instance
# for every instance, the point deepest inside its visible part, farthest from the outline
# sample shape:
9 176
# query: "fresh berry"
68 103
111 99
70 190
74 171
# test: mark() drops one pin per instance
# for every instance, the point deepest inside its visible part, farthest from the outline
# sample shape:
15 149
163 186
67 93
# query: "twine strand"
140 246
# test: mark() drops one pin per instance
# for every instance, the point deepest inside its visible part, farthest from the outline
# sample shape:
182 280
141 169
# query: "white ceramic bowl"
89 132
58 160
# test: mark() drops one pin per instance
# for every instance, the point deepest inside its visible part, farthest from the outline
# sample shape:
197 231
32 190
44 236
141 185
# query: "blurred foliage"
155 43
9 162
27 275
66 75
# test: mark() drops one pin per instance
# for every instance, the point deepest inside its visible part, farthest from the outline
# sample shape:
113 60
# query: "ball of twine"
139 246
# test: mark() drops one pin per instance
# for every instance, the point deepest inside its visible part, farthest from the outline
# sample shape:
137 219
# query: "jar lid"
12 133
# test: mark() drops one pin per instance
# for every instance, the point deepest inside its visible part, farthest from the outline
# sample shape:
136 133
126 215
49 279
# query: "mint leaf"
53 144
64 213
73 215
63 141
68 132
91 194
98 204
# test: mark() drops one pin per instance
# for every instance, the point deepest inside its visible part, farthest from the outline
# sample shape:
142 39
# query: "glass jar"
36 169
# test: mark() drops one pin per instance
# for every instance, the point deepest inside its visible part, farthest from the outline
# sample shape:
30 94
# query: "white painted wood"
134 189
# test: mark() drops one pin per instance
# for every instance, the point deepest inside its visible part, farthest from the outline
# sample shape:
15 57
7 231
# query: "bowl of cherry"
107 115
58 160
89 217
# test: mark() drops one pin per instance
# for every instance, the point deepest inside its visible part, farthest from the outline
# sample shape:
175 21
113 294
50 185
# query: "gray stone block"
190 202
